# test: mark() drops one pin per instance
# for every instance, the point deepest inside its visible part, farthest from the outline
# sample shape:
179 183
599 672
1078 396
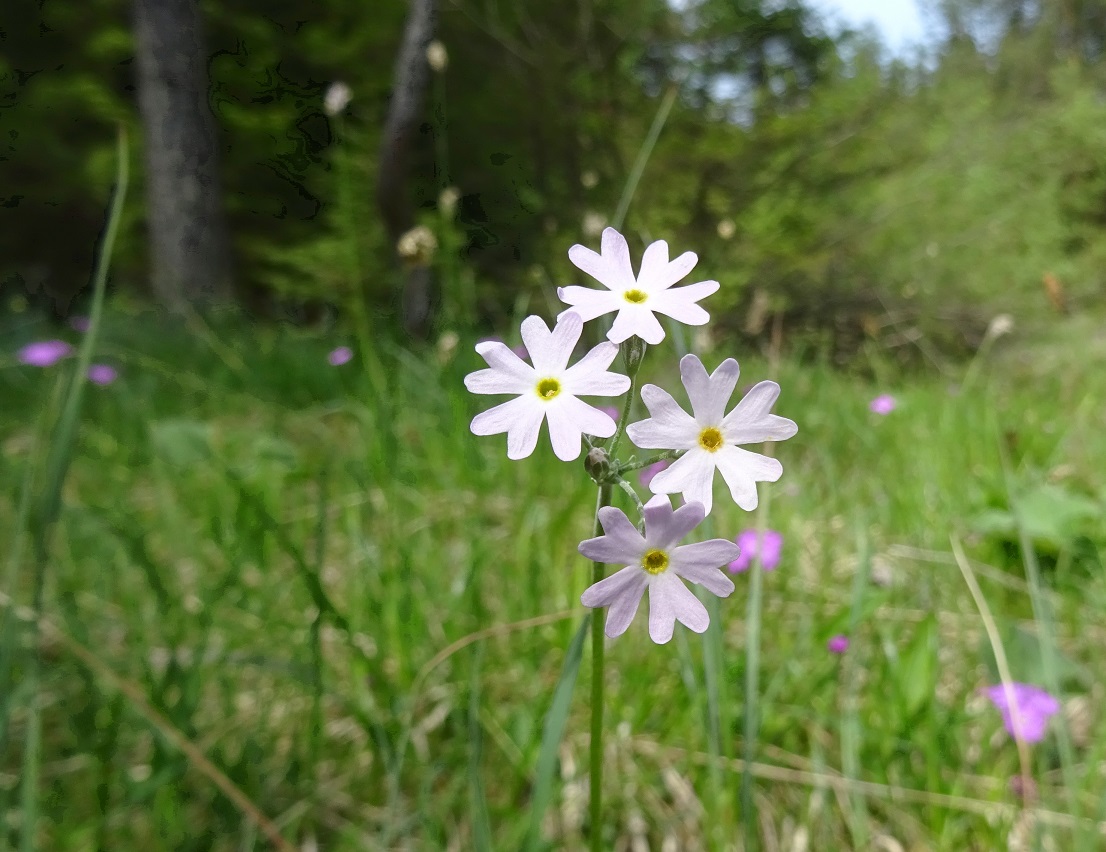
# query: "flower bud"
633 351
598 465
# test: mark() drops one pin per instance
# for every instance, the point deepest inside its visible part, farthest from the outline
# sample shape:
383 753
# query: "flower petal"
657 273
501 359
664 527
497 381
609 589
709 395
620 544
570 417
624 602
550 350
742 470
589 303
636 319
671 601
751 423
588 375
612 268
700 563
668 428
680 302
520 418
692 475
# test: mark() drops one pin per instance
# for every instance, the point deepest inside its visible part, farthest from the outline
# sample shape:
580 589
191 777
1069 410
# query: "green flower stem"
629 489
633 368
597 648
625 467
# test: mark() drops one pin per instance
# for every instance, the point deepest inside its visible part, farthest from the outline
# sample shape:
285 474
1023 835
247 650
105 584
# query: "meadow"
291 598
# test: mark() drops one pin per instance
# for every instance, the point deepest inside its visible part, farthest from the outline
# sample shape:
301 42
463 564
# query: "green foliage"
232 494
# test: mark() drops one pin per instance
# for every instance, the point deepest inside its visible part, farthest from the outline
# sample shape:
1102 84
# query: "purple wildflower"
1034 707
102 374
44 353
80 323
339 356
750 545
838 644
647 473
882 404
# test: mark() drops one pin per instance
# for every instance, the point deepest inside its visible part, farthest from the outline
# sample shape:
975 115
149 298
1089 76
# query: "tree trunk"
405 114
190 254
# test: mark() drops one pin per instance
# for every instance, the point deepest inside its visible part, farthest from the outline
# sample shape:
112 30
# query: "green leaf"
181 442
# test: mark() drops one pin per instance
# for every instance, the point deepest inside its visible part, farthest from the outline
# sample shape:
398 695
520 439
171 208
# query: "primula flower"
102 374
750 545
341 355
710 438
654 562
838 644
44 353
1034 706
547 389
882 404
636 299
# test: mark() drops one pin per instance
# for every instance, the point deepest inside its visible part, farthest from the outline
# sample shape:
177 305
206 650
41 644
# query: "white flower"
337 98
653 562
547 390
636 299
710 438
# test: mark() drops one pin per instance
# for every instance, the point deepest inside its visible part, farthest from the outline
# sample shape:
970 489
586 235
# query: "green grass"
265 558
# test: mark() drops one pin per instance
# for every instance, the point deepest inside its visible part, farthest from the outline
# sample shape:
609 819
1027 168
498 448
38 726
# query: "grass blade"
555 721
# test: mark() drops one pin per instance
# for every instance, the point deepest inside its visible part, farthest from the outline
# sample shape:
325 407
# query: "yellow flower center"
710 439
655 562
635 297
548 388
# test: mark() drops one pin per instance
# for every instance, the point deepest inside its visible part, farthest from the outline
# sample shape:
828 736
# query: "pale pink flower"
711 436
655 563
546 390
636 299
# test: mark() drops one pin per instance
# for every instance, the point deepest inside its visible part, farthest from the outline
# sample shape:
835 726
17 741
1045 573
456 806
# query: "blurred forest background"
860 196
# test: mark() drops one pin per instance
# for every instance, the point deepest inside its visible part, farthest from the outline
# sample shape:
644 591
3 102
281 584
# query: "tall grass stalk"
45 514
751 703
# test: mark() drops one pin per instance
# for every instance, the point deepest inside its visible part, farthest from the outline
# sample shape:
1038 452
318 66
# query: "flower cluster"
694 446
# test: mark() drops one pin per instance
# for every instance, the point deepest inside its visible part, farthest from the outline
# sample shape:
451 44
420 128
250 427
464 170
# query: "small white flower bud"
418 244
337 98
436 56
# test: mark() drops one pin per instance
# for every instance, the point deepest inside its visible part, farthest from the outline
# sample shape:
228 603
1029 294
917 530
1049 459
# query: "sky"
899 22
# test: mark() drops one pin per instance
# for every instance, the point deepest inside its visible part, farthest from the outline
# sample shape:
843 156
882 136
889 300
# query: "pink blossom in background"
751 547
1034 705
102 374
882 404
838 644
647 473
341 355
80 324
44 353
611 411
